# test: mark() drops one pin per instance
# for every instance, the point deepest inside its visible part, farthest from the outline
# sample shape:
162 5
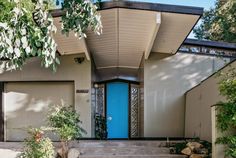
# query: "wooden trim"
129 110
153 36
105 106
110 67
117 80
86 51
1 112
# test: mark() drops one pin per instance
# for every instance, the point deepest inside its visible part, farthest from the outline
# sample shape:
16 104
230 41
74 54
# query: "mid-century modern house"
138 74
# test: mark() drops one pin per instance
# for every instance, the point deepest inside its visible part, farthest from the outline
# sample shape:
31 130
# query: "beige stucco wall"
199 100
166 80
26 103
198 121
68 70
201 116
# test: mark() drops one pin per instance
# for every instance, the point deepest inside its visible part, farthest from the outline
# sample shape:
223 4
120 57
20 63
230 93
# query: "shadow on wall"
167 78
27 104
191 65
25 115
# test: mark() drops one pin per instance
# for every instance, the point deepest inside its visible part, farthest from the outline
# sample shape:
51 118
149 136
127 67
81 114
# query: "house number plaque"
82 91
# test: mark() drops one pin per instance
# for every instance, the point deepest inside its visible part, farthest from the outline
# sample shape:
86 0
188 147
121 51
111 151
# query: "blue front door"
117 110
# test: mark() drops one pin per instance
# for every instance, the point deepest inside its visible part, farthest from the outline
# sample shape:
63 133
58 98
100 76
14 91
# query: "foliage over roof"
219 23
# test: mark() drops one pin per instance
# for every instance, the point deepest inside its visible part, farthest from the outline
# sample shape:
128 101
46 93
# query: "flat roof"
214 44
143 6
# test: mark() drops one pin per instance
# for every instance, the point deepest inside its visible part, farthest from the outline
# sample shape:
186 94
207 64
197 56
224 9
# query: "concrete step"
136 156
119 143
98 143
106 149
125 149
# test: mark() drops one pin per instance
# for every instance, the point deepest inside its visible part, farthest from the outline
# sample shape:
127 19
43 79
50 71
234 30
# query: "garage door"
26 104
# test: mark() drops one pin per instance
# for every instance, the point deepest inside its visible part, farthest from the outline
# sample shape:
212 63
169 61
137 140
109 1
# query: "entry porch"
104 149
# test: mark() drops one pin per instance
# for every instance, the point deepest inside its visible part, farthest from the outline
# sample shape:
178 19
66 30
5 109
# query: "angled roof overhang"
68 45
143 6
132 30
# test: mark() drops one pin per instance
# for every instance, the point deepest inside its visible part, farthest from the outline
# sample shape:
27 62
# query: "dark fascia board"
143 6
152 7
213 44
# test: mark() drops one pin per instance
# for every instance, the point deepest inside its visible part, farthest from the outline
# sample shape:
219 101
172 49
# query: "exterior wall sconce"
79 60
95 85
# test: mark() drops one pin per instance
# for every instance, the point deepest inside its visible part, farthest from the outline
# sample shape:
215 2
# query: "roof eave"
143 6
214 44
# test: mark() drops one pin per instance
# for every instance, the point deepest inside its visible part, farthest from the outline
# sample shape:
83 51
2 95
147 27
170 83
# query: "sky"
198 3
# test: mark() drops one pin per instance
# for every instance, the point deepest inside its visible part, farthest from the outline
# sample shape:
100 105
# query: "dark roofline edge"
214 44
142 6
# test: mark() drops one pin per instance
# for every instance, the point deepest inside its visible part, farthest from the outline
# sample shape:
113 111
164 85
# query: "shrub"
101 128
226 112
37 146
27 28
66 123
179 147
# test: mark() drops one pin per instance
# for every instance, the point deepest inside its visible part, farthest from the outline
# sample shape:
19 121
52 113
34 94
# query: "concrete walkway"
7 153
102 149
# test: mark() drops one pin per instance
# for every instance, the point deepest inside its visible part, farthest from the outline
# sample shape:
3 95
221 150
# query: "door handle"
109 118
